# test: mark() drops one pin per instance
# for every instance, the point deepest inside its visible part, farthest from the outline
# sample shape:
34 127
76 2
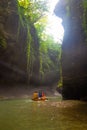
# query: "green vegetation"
3 43
50 115
33 15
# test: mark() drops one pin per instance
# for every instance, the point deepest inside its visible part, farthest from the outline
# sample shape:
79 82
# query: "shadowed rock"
74 48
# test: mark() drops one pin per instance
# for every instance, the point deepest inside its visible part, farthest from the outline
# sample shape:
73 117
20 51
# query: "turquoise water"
25 114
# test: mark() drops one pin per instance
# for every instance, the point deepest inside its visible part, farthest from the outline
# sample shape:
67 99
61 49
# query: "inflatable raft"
39 97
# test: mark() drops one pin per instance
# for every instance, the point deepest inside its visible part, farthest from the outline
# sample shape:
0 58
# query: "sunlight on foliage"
33 13
34 9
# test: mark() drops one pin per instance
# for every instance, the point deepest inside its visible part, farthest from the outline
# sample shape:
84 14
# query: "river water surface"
25 114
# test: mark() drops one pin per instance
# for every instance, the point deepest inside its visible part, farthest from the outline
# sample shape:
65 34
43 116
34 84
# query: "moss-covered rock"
13 45
19 49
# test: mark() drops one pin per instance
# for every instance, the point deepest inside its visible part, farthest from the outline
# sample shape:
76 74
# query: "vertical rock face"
74 48
12 51
19 62
13 45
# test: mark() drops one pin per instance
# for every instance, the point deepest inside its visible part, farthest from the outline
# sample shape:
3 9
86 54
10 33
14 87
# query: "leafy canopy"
34 9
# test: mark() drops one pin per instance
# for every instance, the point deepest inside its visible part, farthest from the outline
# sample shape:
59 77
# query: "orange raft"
36 98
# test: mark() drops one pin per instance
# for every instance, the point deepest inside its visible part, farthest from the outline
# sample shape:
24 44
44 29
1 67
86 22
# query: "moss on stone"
3 42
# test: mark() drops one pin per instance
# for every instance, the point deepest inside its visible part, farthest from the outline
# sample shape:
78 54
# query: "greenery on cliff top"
34 12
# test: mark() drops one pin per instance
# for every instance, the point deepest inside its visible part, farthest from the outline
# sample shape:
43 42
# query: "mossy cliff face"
13 45
74 48
12 53
20 49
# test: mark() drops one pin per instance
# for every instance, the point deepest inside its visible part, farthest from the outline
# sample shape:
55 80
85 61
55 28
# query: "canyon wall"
74 47
13 45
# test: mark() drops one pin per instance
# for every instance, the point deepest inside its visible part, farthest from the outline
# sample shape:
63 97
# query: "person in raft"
35 96
39 96
42 96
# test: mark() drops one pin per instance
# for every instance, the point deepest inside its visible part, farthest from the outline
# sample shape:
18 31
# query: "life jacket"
43 94
35 95
40 94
